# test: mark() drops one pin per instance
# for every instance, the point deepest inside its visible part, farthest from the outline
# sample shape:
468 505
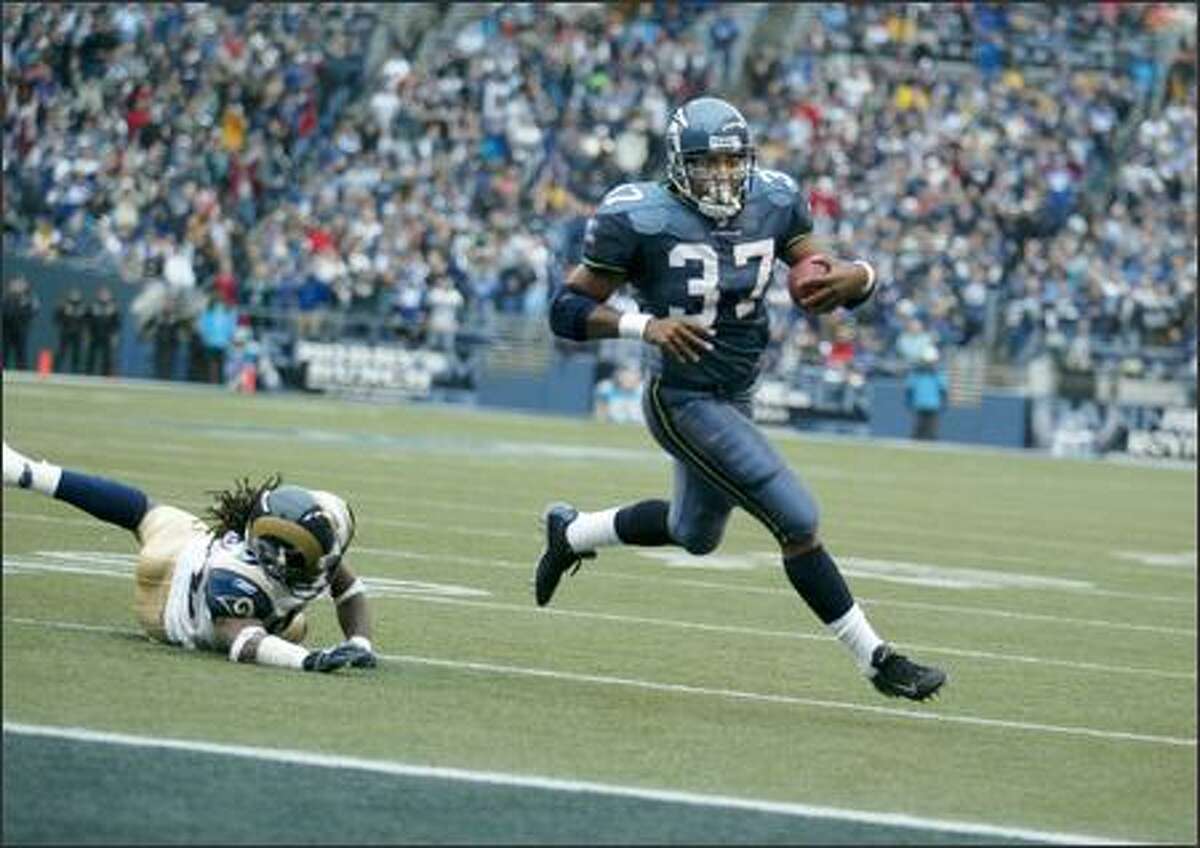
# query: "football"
808 268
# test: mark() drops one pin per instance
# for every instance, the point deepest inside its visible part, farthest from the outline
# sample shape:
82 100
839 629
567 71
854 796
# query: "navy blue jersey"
683 263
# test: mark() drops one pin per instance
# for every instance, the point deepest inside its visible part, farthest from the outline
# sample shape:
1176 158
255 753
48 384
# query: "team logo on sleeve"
623 194
235 606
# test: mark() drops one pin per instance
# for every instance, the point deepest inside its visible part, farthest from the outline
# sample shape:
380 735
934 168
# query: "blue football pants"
722 460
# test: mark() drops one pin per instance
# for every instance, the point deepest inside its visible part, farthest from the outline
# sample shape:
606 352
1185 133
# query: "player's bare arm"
350 598
683 339
845 283
246 640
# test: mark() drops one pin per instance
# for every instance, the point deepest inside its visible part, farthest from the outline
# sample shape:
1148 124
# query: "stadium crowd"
1009 197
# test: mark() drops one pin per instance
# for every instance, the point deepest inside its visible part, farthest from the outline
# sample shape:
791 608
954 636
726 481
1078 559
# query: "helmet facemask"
285 563
716 181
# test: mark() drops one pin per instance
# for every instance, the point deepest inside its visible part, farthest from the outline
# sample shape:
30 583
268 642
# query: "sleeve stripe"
603 266
358 587
796 238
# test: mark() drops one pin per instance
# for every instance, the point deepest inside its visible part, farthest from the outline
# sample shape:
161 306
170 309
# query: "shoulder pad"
626 195
779 188
232 595
643 203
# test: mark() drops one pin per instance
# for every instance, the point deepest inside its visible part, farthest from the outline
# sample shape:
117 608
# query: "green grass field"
1060 596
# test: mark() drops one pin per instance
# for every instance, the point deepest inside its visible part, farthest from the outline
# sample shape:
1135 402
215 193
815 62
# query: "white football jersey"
217 578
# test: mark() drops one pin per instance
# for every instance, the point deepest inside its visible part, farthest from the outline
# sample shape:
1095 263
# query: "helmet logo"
710 156
724 142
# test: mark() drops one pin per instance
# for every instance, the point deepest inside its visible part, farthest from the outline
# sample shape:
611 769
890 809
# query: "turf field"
661 698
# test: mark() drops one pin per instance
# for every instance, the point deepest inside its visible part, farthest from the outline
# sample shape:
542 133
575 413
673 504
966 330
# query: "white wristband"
870 275
633 325
275 651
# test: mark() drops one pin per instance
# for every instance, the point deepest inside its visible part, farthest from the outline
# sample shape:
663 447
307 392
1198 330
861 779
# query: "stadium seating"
1021 183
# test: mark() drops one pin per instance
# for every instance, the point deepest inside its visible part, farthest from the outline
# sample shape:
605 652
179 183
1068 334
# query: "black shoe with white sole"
899 677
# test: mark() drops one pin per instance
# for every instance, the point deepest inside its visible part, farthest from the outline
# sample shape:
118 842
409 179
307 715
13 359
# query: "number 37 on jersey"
682 263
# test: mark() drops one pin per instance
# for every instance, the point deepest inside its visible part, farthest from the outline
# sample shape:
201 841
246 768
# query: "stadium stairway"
966 372
767 26
749 18
440 37
406 25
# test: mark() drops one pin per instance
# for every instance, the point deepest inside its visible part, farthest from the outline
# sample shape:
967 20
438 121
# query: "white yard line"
787 634
876 523
708 585
732 694
21 565
551 784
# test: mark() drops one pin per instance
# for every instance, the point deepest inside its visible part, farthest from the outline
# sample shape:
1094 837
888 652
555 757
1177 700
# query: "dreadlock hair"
231 509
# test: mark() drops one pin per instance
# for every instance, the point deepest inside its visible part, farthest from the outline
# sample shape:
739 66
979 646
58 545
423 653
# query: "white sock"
856 633
45 477
591 530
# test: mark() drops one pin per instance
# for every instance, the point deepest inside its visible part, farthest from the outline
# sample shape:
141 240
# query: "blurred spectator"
925 393
218 322
103 329
314 299
169 327
444 302
912 344
70 319
619 397
722 35
1008 167
20 305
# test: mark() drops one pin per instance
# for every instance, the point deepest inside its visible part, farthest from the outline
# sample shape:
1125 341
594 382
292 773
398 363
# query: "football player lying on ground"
238 584
699 249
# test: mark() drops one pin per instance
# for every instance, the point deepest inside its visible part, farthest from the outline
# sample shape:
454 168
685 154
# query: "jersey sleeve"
609 242
797 222
231 595
794 216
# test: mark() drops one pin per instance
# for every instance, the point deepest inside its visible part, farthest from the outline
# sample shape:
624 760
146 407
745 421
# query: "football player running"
239 583
699 250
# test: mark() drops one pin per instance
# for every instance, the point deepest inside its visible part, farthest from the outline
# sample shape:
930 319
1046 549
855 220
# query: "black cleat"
558 556
898 677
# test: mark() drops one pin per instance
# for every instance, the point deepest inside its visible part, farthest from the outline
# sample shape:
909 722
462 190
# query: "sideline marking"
669 796
734 694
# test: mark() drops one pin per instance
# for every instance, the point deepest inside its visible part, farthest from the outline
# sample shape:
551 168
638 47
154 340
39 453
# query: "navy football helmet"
710 156
299 536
